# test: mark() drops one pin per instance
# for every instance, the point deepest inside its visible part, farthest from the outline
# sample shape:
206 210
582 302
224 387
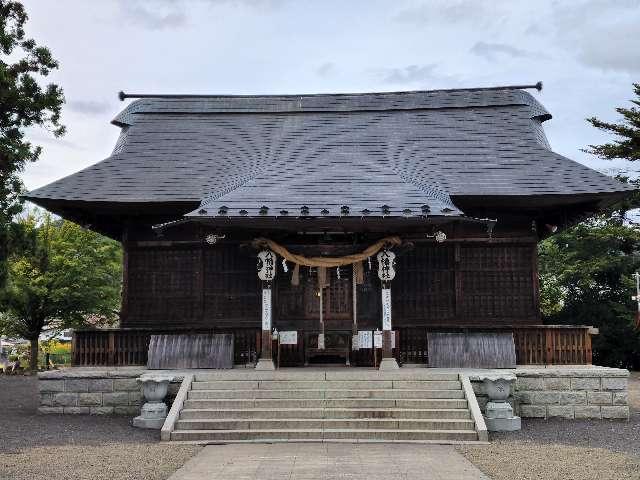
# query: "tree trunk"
33 359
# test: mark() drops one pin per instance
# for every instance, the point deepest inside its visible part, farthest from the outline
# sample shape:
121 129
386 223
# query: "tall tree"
62 277
24 103
586 272
627 145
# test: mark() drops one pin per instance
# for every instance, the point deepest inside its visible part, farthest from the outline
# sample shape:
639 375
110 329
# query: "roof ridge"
123 96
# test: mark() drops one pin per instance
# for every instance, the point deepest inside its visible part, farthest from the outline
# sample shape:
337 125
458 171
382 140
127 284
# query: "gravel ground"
566 449
34 447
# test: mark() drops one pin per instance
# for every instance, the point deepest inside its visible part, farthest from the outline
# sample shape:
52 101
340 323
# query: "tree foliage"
24 103
627 145
586 278
59 276
586 272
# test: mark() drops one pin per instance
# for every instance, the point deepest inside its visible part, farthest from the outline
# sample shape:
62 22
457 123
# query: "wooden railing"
123 347
534 345
553 345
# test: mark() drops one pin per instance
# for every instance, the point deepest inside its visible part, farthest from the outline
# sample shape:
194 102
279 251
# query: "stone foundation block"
533 411
615 412
126 385
65 399
529 383
101 410
101 385
77 410
620 398
46 399
585 383
560 411
48 410
525 397
136 398
573 398
587 411
90 399
51 385
129 410
546 398
614 383
599 398
76 385
115 399
557 383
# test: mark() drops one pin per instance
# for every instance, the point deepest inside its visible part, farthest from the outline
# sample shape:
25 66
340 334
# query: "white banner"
289 337
355 345
365 339
266 309
377 339
386 309
321 341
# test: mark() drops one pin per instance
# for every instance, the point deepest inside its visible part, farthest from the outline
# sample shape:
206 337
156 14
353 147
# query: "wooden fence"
534 345
122 347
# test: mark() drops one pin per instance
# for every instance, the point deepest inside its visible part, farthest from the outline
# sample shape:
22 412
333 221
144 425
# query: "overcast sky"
586 53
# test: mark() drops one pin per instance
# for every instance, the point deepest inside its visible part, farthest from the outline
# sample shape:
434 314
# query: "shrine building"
371 229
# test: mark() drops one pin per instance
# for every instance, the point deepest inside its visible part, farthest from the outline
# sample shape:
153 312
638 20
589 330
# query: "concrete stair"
275 407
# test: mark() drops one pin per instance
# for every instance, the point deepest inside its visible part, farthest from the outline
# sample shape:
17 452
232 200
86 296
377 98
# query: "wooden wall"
454 283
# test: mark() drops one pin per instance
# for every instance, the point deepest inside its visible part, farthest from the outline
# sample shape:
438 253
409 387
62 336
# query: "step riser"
324 413
323 424
183 435
319 394
308 375
362 403
340 385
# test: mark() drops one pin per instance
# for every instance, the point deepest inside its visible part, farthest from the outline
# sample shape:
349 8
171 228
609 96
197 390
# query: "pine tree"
627 146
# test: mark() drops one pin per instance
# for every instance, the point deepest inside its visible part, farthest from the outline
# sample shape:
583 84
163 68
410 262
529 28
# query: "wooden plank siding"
203 286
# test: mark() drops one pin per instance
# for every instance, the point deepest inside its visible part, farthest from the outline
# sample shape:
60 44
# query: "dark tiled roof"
408 151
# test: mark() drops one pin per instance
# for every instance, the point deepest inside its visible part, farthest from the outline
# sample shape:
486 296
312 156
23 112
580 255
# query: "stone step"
329 393
229 413
324 403
331 424
309 374
323 435
326 385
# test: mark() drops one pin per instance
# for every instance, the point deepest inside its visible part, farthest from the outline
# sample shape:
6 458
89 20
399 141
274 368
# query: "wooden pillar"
124 299
266 273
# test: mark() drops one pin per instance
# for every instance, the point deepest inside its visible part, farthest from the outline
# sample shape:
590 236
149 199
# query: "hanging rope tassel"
338 272
285 266
369 261
295 277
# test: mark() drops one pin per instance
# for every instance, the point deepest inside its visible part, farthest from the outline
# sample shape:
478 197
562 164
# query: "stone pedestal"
154 411
499 417
499 414
265 364
389 364
151 416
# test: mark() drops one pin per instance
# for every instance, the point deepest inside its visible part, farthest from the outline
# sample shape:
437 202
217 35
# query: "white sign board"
266 309
321 341
289 337
386 309
365 339
377 339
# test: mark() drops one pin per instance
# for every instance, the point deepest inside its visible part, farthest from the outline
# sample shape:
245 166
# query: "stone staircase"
326 406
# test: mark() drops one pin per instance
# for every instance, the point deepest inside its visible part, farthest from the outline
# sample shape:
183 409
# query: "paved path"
328 461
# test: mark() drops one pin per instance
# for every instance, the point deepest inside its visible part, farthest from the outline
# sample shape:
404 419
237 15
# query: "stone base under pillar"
265 364
389 364
152 416
503 424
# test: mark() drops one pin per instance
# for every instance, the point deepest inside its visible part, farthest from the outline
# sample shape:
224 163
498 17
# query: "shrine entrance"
298 308
326 310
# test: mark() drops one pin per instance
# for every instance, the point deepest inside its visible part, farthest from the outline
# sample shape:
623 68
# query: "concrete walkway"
329 461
